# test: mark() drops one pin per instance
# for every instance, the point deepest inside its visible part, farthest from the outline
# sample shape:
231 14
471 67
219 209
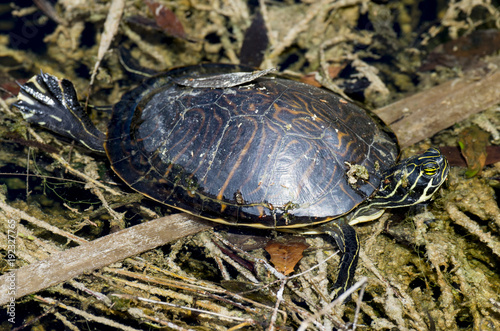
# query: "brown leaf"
464 51
255 43
284 256
9 87
456 159
333 71
310 79
472 142
166 19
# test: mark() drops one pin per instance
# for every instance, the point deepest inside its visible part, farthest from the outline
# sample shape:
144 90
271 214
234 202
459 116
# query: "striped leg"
348 242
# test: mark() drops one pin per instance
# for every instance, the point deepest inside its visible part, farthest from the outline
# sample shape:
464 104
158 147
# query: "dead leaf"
333 71
456 159
110 30
284 256
463 52
166 19
472 142
255 43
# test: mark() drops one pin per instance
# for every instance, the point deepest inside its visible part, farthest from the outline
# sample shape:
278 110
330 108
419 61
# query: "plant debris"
284 256
472 142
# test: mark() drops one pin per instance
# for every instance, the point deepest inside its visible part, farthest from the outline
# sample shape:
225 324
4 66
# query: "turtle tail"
53 104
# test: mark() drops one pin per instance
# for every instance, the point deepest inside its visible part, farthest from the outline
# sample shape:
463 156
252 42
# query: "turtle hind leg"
53 104
348 242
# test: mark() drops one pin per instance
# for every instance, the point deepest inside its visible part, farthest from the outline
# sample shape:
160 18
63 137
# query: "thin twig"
72 170
362 282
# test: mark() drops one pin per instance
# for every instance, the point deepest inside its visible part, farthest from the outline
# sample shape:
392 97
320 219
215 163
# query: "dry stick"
463 220
88 316
13 213
407 301
5 107
279 300
110 30
424 114
299 28
99 253
362 282
191 309
72 170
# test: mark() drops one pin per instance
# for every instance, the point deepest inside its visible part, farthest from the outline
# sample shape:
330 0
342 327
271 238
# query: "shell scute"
269 153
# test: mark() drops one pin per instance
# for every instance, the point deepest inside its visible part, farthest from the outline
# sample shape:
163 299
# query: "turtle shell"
267 153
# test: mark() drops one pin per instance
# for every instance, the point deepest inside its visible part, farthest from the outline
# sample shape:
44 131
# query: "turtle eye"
430 168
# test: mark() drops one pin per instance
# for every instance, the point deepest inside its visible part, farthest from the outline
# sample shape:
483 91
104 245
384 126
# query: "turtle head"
412 181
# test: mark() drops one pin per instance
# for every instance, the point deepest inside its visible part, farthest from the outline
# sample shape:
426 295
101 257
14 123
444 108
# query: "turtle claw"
53 104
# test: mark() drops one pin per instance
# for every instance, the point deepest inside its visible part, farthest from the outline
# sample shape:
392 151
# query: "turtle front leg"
348 242
53 104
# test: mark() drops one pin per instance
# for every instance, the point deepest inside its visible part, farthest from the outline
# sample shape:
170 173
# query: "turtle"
248 148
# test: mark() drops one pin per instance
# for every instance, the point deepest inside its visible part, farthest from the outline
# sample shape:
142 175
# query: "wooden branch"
426 113
101 252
